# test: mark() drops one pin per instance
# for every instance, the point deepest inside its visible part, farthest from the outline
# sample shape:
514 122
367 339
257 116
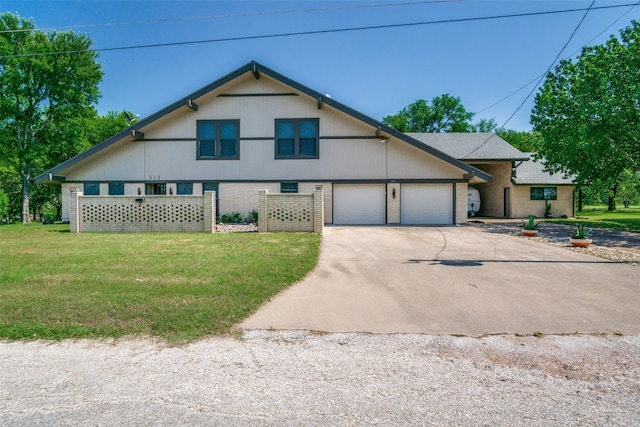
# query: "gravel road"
296 378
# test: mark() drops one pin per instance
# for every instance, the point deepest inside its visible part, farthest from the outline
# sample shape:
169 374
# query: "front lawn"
624 219
177 287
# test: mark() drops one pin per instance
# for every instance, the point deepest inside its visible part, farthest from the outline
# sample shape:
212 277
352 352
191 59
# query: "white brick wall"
393 203
462 189
290 212
131 214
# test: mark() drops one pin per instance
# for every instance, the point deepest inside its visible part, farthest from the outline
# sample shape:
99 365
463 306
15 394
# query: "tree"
445 114
45 79
485 125
588 114
73 136
523 140
4 207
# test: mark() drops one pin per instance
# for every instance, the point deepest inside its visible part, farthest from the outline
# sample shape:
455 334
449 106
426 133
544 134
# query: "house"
520 186
256 129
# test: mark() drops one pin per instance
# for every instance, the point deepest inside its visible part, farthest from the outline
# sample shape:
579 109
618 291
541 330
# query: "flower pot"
530 233
580 243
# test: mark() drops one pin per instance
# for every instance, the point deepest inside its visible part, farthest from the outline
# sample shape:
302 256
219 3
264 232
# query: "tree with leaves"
445 113
588 114
46 79
526 141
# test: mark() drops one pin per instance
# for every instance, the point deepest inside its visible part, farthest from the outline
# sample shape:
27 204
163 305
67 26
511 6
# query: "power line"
233 15
569 56
315 32
550 65
575 30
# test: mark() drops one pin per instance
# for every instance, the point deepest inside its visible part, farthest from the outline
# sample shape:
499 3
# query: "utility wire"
569 56
575 30
315 32
550 65
233 15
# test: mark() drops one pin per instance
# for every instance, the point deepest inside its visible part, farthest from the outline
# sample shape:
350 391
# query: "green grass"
598 217
176 287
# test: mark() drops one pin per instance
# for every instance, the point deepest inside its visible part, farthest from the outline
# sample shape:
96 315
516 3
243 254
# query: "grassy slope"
178 287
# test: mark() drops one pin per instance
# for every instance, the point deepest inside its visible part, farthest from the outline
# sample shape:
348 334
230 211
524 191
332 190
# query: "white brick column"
74 212
318 211
263 211
210 211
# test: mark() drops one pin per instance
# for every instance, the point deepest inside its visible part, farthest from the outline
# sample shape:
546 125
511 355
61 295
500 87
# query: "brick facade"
138 214
290 212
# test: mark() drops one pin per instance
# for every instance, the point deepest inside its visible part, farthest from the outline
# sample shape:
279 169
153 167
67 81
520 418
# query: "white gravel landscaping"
301 378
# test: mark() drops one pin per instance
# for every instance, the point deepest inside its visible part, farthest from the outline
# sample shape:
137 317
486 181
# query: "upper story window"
91 189
297 138
116 188
544 193
218 139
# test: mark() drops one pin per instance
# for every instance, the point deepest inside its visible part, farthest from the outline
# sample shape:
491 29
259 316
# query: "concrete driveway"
454 280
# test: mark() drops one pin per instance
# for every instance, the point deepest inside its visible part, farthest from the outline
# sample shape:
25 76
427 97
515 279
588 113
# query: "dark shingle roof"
532 172
471 146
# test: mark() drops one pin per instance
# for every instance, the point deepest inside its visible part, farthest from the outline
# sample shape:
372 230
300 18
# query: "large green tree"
46 79
523 140
445 113
588 113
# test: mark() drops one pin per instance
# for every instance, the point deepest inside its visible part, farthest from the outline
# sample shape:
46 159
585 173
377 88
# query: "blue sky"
375 71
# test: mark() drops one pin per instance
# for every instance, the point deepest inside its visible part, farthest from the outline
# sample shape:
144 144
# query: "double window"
218 139
296 138
544 193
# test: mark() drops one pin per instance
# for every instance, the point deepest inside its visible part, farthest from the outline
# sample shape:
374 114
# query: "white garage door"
430 204
359 204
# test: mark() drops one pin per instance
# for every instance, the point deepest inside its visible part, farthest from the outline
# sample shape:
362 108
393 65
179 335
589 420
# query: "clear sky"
377 71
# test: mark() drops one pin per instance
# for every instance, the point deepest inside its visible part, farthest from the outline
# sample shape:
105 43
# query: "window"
296 138
218 139
544 193
116 188
212 186
288 187
156 188
91 189
184 188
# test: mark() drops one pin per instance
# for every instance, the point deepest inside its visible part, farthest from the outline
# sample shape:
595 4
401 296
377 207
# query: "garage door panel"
426 204
359 204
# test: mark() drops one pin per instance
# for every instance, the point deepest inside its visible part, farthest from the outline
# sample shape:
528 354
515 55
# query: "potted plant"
530 228
581 236
547 209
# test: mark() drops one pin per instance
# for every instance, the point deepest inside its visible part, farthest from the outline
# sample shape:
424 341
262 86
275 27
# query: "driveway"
454 280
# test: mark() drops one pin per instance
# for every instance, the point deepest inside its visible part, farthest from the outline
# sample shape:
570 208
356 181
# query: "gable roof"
257 69
532 173
471 146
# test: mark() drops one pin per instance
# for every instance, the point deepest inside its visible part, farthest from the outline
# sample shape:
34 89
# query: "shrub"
233 217
4 205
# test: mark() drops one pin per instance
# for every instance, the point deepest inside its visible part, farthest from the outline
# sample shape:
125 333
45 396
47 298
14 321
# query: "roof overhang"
257 70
